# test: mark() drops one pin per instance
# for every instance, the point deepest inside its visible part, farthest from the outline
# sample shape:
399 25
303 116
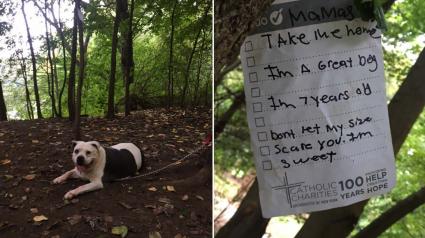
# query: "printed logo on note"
316 106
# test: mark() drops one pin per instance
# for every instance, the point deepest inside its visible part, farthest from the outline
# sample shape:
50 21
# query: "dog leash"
156 171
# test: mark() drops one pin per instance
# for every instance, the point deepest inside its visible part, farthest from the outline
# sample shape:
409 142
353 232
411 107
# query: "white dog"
101 164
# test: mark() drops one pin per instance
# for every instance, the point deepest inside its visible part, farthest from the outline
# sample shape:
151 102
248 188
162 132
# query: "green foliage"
372 10
151 37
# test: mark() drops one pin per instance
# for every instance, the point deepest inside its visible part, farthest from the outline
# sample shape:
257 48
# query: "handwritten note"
317 108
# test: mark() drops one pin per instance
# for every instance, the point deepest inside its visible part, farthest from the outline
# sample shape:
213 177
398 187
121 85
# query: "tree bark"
34 68
170 64
23 65
395 213
80 77
233 20
186 81
3 111
71 82
111 113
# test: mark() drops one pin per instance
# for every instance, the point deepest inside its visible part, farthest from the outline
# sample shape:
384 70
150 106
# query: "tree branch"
395 213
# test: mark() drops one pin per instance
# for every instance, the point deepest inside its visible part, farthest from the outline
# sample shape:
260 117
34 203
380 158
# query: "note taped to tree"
317 107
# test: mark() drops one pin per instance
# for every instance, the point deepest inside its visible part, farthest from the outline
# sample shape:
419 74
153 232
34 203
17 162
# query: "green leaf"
120 230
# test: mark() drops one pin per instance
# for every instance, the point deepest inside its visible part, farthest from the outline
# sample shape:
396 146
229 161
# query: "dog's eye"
76 151
88 152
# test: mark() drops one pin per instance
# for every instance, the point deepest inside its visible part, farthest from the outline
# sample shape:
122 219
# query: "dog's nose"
80 160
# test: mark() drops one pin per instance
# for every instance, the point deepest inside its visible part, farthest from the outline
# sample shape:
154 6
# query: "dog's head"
85 154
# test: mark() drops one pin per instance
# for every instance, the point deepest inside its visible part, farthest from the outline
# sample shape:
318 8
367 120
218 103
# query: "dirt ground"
33 153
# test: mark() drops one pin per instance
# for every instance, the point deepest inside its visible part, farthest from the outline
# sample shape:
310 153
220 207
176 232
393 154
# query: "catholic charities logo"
287 187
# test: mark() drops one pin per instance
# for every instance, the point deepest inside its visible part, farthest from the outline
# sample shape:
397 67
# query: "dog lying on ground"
100 164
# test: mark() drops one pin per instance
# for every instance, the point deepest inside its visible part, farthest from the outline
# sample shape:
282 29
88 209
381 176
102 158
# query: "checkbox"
262 136
248 46
255 92
265 150
253 77
259 122
250 61
258 107
267 165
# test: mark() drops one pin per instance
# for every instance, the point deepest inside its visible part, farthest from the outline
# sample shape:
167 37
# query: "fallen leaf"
179 236
200 198
29 177
152 189
74 219
33 210
195 232
125 205
40 218
6 161
158 210
24 198
120 230
170 188
150 136
109 219
154 234
8 176
164 200
148 167
150 206
185 198
181 150
34 141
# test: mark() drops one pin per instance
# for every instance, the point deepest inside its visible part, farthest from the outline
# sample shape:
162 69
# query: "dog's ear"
74 143
95 144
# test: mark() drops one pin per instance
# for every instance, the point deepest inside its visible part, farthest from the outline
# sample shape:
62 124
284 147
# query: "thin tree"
130 62
64 60
80 76
71 82
191 56
23 64
170 64
111 114
50 63
3 111
34 68
198 73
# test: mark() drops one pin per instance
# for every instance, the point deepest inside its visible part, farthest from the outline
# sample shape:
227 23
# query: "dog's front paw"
71 194
58 180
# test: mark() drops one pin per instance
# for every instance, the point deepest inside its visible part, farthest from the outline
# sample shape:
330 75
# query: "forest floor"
33 153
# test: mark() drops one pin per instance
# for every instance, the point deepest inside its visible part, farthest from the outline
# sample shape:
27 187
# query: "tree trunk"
71 82
129 60
49 60
80 77
64 61
23 65
3 111
248 222
198 73
111 113
186 81
34 68
170 64
220 124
